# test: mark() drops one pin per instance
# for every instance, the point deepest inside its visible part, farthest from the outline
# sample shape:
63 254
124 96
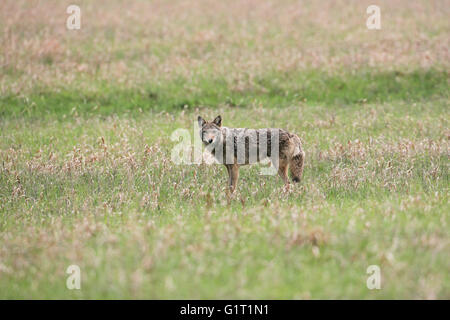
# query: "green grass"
273 90
96 188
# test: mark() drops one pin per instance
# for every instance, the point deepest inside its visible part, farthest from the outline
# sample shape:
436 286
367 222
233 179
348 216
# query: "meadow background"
85 171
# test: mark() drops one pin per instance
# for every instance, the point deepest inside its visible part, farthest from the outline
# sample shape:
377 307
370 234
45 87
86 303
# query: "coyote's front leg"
233 176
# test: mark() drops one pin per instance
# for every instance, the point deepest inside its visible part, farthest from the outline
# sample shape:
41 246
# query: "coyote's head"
210 132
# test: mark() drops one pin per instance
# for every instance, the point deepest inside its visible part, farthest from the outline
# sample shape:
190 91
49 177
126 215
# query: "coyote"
234 147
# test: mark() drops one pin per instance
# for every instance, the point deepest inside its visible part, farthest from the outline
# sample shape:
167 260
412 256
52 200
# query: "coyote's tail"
297 161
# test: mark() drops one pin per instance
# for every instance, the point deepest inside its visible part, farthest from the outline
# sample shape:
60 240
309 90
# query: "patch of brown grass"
132 41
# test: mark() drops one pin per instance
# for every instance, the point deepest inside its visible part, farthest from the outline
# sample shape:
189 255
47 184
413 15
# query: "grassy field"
86 176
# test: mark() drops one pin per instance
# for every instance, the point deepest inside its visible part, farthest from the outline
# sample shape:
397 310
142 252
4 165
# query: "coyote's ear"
201 121
218 121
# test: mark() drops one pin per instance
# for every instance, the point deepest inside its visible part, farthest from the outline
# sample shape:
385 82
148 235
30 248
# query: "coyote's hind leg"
283 171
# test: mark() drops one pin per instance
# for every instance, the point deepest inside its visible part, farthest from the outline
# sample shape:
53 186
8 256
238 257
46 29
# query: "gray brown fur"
291 154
